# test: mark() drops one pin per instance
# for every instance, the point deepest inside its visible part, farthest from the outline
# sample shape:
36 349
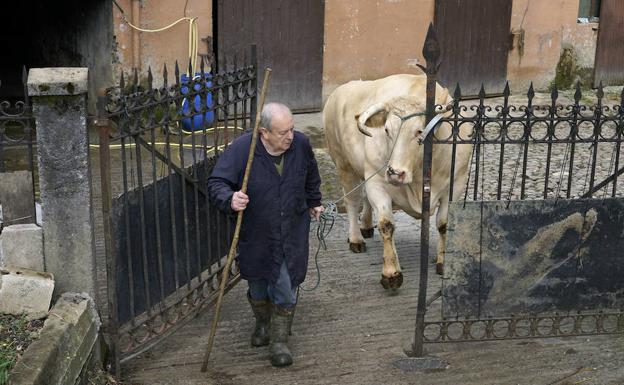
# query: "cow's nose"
395 174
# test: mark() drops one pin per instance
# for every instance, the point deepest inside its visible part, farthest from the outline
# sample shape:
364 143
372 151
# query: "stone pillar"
59 97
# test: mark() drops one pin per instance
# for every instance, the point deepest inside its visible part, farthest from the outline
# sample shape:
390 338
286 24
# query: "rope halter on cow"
375 108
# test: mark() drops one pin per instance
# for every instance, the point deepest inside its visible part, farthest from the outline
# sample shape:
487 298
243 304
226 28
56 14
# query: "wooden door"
474 39
289 37
609 66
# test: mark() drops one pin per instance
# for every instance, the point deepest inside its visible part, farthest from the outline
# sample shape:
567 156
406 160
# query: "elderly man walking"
283 194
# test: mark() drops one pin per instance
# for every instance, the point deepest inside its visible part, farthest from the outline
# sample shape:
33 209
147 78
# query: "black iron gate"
165 242
534 247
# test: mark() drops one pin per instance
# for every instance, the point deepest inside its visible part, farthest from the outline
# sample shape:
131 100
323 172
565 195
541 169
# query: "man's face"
281 135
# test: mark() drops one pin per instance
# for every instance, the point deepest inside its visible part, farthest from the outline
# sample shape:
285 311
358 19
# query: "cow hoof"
394 282
357 247
440 268
368 233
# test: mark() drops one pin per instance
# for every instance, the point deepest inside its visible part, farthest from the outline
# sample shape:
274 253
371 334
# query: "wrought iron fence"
558 149
164 240
562 148
17 136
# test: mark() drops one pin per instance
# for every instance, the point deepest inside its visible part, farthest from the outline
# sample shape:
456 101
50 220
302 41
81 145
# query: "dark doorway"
66 33
609 66
474 37
289 37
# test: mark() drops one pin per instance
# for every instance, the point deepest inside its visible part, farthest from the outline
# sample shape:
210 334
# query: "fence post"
431 53
59 101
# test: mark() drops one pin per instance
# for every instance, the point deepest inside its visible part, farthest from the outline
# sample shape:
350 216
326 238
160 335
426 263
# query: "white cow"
364 134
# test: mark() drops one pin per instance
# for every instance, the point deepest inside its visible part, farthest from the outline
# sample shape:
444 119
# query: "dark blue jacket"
276 222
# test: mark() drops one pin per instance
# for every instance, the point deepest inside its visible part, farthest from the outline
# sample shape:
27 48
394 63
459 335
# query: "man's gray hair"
271 109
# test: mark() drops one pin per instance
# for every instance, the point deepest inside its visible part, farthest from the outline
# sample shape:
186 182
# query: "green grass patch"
16 333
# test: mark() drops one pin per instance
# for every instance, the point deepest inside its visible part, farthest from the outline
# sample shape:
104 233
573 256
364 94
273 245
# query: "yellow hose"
192 39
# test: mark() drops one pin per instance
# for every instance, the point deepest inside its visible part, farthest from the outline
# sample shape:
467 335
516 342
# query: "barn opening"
65 33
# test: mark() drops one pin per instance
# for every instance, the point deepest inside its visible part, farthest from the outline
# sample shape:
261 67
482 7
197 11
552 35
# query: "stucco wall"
541 29
367 39
158 48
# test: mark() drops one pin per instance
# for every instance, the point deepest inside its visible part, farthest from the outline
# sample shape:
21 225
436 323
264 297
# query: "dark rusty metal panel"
289 36
534 256
609 65
474 36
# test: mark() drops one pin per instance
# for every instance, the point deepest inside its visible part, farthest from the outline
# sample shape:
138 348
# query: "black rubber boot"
262 313
280 325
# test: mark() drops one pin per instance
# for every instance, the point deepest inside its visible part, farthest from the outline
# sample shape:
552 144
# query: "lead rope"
328 217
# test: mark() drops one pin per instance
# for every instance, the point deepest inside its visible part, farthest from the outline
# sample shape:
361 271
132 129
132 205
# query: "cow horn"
370 111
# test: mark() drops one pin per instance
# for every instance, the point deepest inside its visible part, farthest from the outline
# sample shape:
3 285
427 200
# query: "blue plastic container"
197 121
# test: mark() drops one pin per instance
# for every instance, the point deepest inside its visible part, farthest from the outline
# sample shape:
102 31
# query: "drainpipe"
136 38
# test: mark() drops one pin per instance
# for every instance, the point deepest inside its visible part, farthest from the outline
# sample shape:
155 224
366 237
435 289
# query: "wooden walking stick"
239 220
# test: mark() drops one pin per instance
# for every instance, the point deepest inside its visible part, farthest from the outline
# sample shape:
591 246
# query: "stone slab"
25 292
64 345
57 81
534 256
17 198
21 246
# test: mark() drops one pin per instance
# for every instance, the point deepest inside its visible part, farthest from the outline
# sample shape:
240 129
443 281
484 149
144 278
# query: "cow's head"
396 137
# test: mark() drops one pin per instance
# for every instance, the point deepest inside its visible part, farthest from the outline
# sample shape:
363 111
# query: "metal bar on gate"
126 204
142 223
431 53
478 138
573 135
597 130
550 135
183 177
254 98
526 135
111 258
455 132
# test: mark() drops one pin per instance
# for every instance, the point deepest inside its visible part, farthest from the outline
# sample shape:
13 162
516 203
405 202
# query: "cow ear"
377 119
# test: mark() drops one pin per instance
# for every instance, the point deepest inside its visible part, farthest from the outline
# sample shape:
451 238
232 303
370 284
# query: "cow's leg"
366 228
441 222
352 203
391 276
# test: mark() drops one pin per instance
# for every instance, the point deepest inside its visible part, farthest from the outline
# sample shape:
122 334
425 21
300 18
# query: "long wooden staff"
239 220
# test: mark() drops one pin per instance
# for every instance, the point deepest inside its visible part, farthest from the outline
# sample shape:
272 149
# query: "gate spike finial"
506 90
122 83
457 93
150 78
135 80
202 69
431 48
600 93
482 93
578 94
554 94
622 99
531 92
165 75
177 73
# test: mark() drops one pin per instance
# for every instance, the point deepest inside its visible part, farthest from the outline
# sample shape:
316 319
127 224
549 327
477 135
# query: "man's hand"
315 212
239 201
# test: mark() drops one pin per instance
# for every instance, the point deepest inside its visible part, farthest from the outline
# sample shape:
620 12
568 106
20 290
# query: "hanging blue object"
197 121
